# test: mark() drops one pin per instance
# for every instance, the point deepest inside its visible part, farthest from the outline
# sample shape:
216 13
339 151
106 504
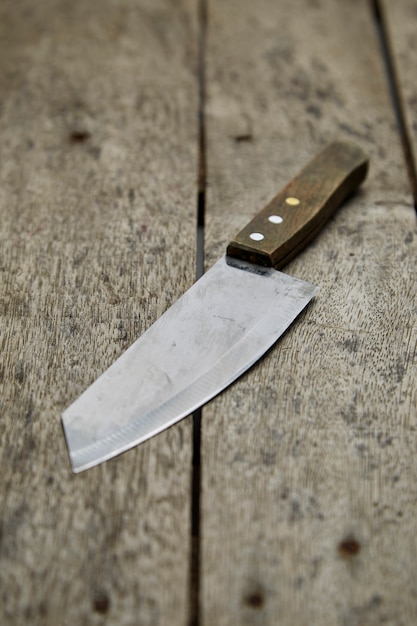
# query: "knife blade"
221 326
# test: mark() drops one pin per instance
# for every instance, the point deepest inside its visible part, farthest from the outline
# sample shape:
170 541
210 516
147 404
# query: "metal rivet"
292 201
256 236
275 219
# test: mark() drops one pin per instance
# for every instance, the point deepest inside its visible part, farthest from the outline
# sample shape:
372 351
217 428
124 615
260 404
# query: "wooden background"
114 117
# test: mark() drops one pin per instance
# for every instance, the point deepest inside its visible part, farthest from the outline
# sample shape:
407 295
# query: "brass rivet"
292 201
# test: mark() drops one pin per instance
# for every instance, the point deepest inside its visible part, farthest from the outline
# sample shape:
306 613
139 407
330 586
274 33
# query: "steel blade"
206 340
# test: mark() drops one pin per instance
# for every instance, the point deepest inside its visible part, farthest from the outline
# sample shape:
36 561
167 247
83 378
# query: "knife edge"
286 297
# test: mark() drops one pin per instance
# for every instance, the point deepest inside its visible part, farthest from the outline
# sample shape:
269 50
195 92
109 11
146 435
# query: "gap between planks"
396 96
194 614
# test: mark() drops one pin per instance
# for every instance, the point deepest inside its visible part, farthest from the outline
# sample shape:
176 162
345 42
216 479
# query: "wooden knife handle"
297 213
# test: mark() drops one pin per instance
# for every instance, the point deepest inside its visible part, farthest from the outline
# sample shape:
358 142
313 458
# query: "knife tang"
298 212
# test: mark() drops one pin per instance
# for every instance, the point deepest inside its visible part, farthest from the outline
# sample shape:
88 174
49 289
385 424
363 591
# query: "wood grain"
400 20
98 167
308 465
308 495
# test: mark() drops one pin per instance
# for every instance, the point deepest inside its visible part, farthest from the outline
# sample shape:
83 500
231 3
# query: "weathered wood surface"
308 461
97 169
308 471
401 20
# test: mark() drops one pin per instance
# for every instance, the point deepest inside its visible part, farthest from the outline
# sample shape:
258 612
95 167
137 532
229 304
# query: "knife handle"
298 212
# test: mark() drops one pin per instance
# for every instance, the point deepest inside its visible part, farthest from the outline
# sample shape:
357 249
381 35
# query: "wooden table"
117 121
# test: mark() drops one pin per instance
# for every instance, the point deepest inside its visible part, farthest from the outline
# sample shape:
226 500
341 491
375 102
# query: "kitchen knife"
223 324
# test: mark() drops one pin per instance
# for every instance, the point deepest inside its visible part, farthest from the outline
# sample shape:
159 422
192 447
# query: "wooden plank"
399 20
308 501
98 167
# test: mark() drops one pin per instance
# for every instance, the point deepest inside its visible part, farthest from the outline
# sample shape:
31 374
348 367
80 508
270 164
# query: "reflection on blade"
206 340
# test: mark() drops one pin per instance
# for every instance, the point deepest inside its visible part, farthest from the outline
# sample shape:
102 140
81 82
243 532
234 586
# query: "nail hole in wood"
101 603
255 599
79 136
349 547
242 138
